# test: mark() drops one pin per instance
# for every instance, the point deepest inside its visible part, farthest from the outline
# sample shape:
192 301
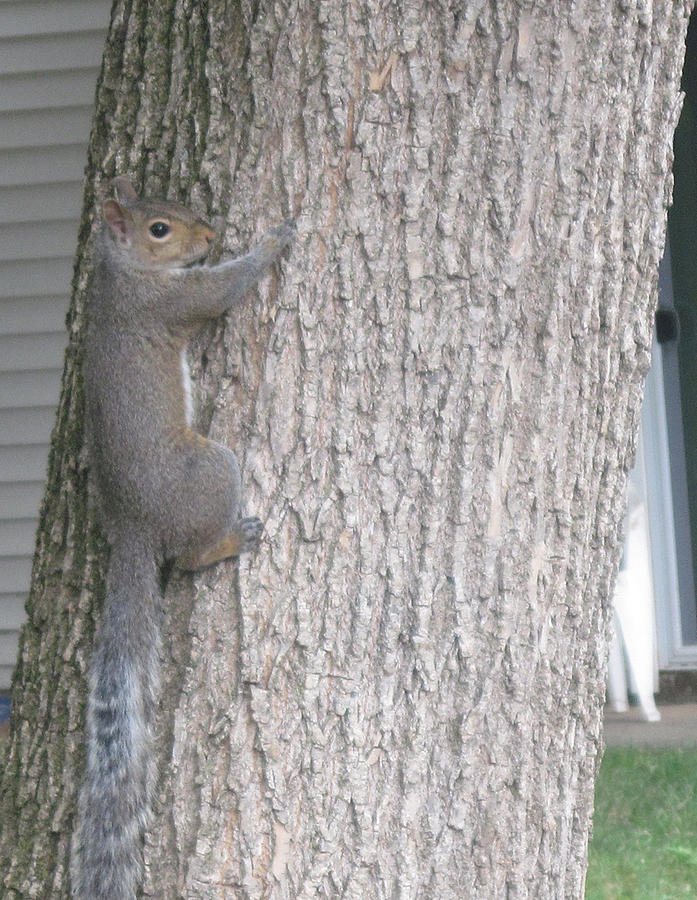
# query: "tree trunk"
435 404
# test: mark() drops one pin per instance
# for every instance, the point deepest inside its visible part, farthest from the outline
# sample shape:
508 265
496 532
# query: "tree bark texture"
435 401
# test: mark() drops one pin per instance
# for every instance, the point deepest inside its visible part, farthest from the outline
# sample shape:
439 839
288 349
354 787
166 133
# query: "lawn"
645 827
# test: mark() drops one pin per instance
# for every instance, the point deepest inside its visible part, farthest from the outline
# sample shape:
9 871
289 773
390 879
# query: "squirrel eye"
159 229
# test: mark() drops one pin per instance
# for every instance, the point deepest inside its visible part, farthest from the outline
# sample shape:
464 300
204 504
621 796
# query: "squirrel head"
154 234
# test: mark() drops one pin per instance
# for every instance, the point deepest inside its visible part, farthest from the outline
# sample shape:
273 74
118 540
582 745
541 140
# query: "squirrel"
165 494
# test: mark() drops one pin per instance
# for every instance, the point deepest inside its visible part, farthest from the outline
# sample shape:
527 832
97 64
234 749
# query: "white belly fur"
186 386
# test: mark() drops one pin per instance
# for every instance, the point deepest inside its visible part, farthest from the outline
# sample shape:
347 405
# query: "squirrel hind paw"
243 537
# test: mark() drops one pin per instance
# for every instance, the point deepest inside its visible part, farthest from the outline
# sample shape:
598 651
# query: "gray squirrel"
165 494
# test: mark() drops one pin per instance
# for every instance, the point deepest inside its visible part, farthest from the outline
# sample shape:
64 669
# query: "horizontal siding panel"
46 52
18 464
9 646
17 539
24 500
34 128
6 677
19 19
33 240
29 389
7 668
38 202
48 90
26 426
40 164
40 278
14 572
33 315
31 351
12 610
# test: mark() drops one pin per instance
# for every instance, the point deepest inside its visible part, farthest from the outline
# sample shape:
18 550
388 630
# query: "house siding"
50 54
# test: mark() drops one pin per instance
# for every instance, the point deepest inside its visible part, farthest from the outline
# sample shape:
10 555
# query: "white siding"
49 61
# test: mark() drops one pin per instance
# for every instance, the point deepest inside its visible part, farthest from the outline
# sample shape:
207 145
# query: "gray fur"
115 798
165 493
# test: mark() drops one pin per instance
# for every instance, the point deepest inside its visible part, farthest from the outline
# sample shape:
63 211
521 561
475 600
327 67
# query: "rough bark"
435 405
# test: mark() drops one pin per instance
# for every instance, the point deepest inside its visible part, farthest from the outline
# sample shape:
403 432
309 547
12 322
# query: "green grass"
645 827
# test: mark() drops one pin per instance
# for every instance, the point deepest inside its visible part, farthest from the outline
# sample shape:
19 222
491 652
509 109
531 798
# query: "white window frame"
666 490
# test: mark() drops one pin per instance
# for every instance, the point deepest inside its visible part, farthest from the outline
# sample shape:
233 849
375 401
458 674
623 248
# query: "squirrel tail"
114 804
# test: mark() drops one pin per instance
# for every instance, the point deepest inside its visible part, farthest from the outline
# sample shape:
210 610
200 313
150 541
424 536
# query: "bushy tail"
115 797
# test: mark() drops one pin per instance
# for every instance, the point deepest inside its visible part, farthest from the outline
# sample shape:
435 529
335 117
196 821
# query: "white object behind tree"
633 645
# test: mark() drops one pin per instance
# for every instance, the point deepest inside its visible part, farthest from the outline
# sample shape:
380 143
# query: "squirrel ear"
124 190
115 217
